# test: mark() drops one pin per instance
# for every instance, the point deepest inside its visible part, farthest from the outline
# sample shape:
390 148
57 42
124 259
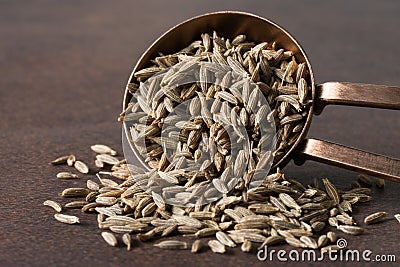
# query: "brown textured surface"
63 68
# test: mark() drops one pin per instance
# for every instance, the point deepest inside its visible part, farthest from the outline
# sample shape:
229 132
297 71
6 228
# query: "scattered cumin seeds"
56 206
169 230
103 149
110 238
289 201
310 242
92 185
349 229
323 241
68 219
206 232
172 244
108 159
196 246
216 246
295 242
331 190
60 160
71 160
146 236
318 226
375 217
272 240
81 167
99 163
66 175
106 201
76 204
225 239
246 246
75 192
127 239
331 236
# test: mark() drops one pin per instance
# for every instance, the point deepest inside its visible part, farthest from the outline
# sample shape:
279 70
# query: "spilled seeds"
274 211
110 238
397 216
55 205
68 219
279 211
375 217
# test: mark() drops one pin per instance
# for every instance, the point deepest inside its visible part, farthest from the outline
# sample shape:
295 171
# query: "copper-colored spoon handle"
356 94
348 158
352 94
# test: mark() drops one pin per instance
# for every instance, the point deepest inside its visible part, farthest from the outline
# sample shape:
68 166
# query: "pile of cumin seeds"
235 76
281 211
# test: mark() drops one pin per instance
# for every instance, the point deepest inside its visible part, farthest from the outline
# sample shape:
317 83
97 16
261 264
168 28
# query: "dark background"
63 69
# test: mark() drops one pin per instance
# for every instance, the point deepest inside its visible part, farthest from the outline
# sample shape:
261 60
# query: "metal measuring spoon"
258 29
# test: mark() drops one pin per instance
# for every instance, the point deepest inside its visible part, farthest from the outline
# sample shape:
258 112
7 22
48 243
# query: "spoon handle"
356 94
348 158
